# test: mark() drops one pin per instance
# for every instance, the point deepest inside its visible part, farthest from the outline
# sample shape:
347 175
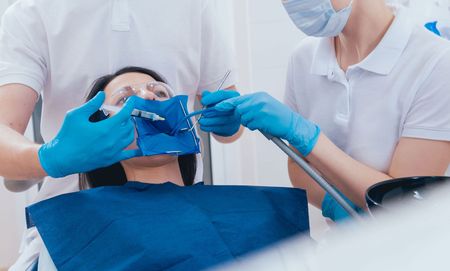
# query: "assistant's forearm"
300 179
230 139
18 156
347 174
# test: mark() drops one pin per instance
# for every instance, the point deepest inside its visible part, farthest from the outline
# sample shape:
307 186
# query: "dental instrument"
201 111
136 113
195 113
225 77
223 80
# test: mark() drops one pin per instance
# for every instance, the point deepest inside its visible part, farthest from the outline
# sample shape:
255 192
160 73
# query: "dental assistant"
367 99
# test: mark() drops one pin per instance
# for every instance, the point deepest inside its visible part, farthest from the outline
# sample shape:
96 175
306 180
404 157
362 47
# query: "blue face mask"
157 137
317 18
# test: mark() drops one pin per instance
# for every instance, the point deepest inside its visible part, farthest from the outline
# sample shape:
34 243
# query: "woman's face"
134 84
145 87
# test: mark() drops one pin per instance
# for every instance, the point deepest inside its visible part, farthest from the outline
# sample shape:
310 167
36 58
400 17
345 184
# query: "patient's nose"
147 95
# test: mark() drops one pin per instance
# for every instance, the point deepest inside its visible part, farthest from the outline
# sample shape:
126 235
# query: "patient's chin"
152 161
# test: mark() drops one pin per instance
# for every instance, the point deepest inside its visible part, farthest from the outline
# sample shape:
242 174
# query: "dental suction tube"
315 176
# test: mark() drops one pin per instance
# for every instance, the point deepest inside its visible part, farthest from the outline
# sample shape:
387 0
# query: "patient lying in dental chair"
146 213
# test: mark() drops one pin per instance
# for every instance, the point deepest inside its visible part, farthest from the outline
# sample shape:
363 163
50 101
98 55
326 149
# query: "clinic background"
264 38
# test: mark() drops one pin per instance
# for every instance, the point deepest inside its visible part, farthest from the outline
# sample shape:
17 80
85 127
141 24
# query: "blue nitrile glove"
260 111
432 26
334 211
82 146
224 123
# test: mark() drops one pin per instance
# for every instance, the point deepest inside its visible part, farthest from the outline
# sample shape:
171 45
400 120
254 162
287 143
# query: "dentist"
367 99
55 50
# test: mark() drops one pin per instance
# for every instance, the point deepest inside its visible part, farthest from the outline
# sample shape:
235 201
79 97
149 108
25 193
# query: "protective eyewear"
158 89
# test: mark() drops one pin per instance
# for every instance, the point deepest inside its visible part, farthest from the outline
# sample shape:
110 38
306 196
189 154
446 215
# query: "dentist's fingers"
212 98
92 105
255 125
124 114
230 104
126 133
248 118
216 120
245 107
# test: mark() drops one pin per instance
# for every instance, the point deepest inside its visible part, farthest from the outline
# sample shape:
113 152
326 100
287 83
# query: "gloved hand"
334 211
260 111
82 146
224 123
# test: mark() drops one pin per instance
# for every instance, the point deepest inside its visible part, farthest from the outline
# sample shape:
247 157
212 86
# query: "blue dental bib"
156 137
166 227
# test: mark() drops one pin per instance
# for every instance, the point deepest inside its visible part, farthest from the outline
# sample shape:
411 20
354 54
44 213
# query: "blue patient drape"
166 227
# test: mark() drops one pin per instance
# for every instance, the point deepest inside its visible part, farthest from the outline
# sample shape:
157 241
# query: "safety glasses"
158 90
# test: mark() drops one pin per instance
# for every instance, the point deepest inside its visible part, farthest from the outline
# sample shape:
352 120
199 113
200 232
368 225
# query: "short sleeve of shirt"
429 115
217 55
289 94
22 53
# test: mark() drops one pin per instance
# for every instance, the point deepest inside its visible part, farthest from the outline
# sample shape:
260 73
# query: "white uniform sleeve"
22 47
289 94
31 247
429 115
217 48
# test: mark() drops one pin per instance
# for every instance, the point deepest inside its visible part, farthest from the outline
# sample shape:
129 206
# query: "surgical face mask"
317 18
156 137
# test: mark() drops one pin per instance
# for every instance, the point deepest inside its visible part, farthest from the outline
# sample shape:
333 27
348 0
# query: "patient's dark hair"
115 174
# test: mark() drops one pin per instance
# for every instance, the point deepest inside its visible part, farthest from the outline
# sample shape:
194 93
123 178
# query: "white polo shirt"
59 48
402 89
